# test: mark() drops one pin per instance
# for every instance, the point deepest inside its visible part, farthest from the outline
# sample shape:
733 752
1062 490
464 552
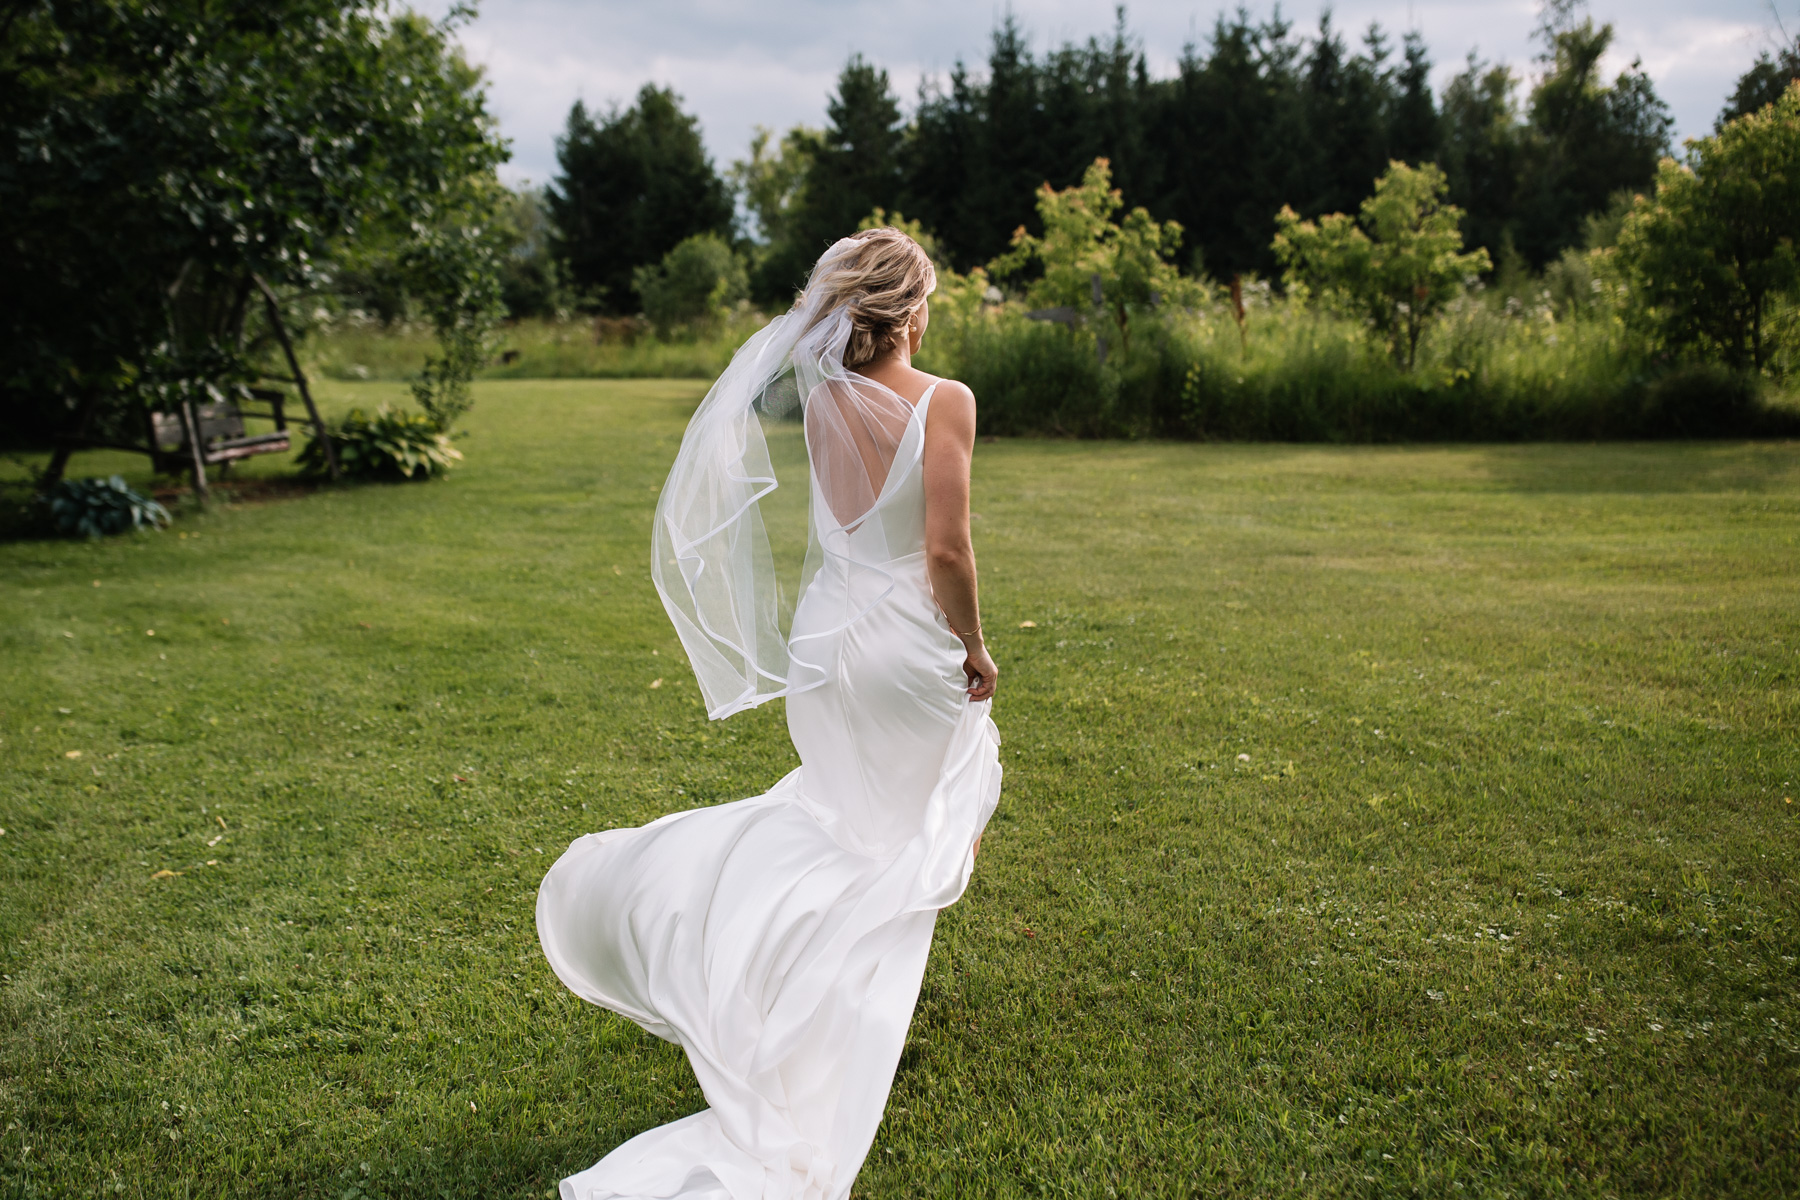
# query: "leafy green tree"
1398 267
1585 140
689 291
166 166
632 186
1086 261
772 183
1715 250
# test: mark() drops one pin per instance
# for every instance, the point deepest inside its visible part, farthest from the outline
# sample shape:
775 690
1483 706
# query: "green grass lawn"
1377 822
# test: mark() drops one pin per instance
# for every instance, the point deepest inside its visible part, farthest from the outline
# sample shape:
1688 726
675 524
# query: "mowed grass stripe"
1378 821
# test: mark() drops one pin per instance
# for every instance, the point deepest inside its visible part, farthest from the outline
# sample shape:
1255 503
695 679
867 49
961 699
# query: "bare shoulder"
956 392
955 403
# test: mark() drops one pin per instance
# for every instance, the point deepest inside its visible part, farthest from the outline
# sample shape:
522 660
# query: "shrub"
383 445
100 507
1714 253
688 293
1398 269
1089 261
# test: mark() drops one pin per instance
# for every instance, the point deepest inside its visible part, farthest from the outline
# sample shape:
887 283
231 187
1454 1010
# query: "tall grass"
1489 371
1296 373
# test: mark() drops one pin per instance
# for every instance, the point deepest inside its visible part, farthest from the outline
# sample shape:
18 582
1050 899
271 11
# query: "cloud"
739 65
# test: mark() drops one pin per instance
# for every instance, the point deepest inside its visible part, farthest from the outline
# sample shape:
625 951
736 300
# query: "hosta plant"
100 507
385 444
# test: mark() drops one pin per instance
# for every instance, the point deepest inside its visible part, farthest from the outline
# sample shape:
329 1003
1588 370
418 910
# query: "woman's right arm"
949 550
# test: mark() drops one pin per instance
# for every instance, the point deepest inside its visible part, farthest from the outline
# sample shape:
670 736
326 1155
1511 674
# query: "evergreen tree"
1481 151
1225 128
633 186
1413 130
1342 98
1763 84
856 168
820 186
977 153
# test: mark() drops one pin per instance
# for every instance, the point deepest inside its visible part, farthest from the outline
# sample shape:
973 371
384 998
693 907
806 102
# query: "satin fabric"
780 940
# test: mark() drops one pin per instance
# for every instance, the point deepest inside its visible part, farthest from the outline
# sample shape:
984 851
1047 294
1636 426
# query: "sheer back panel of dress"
711 558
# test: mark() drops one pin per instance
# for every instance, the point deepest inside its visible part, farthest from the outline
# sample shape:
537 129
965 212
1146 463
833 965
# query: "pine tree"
1481 152
1762 85
633 186
857 167
1413 131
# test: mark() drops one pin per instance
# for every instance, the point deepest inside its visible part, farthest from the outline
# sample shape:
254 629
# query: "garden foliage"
385 444
94 508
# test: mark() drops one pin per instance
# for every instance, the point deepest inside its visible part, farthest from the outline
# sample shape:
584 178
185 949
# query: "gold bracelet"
975 632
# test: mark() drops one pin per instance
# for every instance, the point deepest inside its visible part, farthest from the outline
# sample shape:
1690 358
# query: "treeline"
1258 117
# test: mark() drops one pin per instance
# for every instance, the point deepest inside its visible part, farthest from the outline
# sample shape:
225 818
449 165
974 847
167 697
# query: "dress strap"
926 398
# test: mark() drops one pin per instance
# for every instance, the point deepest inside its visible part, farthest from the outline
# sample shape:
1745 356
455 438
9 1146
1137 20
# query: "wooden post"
287 348
196 451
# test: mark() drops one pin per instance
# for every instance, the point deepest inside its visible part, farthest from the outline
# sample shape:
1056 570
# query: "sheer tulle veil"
711 559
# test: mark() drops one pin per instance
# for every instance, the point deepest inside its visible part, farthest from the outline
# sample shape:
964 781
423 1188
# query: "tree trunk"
287 348
65 446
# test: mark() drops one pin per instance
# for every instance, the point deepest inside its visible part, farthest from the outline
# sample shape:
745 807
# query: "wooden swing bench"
198 436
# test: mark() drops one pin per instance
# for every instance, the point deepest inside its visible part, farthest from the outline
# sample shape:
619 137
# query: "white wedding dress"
781 940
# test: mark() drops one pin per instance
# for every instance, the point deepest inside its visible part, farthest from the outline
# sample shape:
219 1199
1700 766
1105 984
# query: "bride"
781 940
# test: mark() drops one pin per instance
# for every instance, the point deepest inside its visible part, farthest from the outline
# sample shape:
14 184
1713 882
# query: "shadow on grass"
22 520
1643 468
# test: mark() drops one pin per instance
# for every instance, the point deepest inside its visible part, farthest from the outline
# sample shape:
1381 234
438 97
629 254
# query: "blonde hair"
882 280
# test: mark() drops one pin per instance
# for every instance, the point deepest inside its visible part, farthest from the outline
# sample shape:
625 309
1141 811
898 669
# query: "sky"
773 63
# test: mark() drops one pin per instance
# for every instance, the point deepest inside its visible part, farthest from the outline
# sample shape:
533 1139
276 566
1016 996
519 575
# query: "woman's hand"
983 674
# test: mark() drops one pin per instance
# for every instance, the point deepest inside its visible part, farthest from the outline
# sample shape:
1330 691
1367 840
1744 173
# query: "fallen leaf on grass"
220 820
656 683
216 839
72 754
1027 624
212 862
165 873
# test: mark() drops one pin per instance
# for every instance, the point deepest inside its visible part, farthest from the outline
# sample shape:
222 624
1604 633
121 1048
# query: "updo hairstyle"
882 279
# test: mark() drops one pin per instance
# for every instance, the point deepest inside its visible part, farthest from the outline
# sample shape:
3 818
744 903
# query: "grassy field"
1377 822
